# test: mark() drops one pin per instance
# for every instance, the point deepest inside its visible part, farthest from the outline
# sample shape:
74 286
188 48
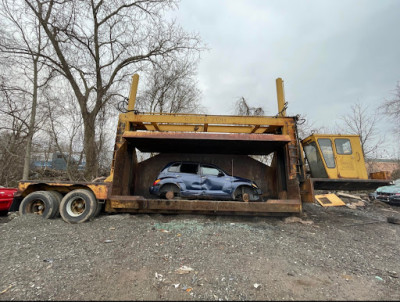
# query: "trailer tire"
99 208
78 206
40 203
57 197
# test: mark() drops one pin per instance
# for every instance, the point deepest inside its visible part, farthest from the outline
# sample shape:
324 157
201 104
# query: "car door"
189 174
214 182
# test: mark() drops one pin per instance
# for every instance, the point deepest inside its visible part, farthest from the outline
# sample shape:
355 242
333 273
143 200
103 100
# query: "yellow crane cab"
335 156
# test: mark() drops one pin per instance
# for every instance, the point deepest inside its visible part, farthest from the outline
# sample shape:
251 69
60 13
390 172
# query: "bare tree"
391 108
22 43
362 122
65 130
243 108
171 89
96 45
13 122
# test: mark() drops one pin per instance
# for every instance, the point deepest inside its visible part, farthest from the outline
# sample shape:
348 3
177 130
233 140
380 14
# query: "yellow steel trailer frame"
195 133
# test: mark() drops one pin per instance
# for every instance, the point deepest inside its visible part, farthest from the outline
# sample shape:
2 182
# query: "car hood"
389 189
241 179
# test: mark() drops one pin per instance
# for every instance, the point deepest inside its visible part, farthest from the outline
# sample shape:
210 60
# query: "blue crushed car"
390 193
202 181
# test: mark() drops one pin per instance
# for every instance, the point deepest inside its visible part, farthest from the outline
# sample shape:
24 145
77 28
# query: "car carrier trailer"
226 141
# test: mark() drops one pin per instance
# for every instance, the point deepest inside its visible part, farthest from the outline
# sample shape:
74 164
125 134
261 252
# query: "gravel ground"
333 253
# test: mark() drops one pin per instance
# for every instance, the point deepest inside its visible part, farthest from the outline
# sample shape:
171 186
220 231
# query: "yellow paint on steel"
155 126
133 92
281 97
329 200
199 128
22 186
255 128
111 176
99 190
203 119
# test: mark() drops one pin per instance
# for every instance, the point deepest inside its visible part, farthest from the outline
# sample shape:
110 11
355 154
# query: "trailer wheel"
40 203
78 206
99 208
170 191
57 197
243 194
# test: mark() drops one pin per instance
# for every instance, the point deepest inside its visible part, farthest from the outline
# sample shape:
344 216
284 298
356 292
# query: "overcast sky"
330 54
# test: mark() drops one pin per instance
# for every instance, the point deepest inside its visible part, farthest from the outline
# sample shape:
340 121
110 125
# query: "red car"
6 199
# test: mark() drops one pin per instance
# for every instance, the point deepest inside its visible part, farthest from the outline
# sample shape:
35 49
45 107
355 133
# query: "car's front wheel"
244 194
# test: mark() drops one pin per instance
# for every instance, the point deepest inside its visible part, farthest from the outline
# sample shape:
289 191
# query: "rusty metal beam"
209 136
140 204
206 142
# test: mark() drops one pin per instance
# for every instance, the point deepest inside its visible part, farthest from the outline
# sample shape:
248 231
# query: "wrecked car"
390 193
202 181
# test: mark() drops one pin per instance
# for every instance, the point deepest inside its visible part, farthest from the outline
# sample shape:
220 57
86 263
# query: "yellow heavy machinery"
333 161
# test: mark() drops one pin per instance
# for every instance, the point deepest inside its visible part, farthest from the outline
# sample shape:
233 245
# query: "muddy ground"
335 253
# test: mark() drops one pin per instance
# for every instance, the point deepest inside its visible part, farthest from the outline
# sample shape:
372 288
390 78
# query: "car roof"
188 162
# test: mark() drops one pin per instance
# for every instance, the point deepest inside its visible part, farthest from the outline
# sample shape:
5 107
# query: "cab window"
315 161
325 145
343 146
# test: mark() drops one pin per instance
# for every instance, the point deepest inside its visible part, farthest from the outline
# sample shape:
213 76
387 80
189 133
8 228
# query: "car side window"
174 167
189 168
209 170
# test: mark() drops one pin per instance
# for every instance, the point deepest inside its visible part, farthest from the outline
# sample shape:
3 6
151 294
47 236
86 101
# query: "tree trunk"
31 129
90 147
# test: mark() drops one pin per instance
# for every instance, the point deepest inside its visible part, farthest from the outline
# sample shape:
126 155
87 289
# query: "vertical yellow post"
281 97
133 92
